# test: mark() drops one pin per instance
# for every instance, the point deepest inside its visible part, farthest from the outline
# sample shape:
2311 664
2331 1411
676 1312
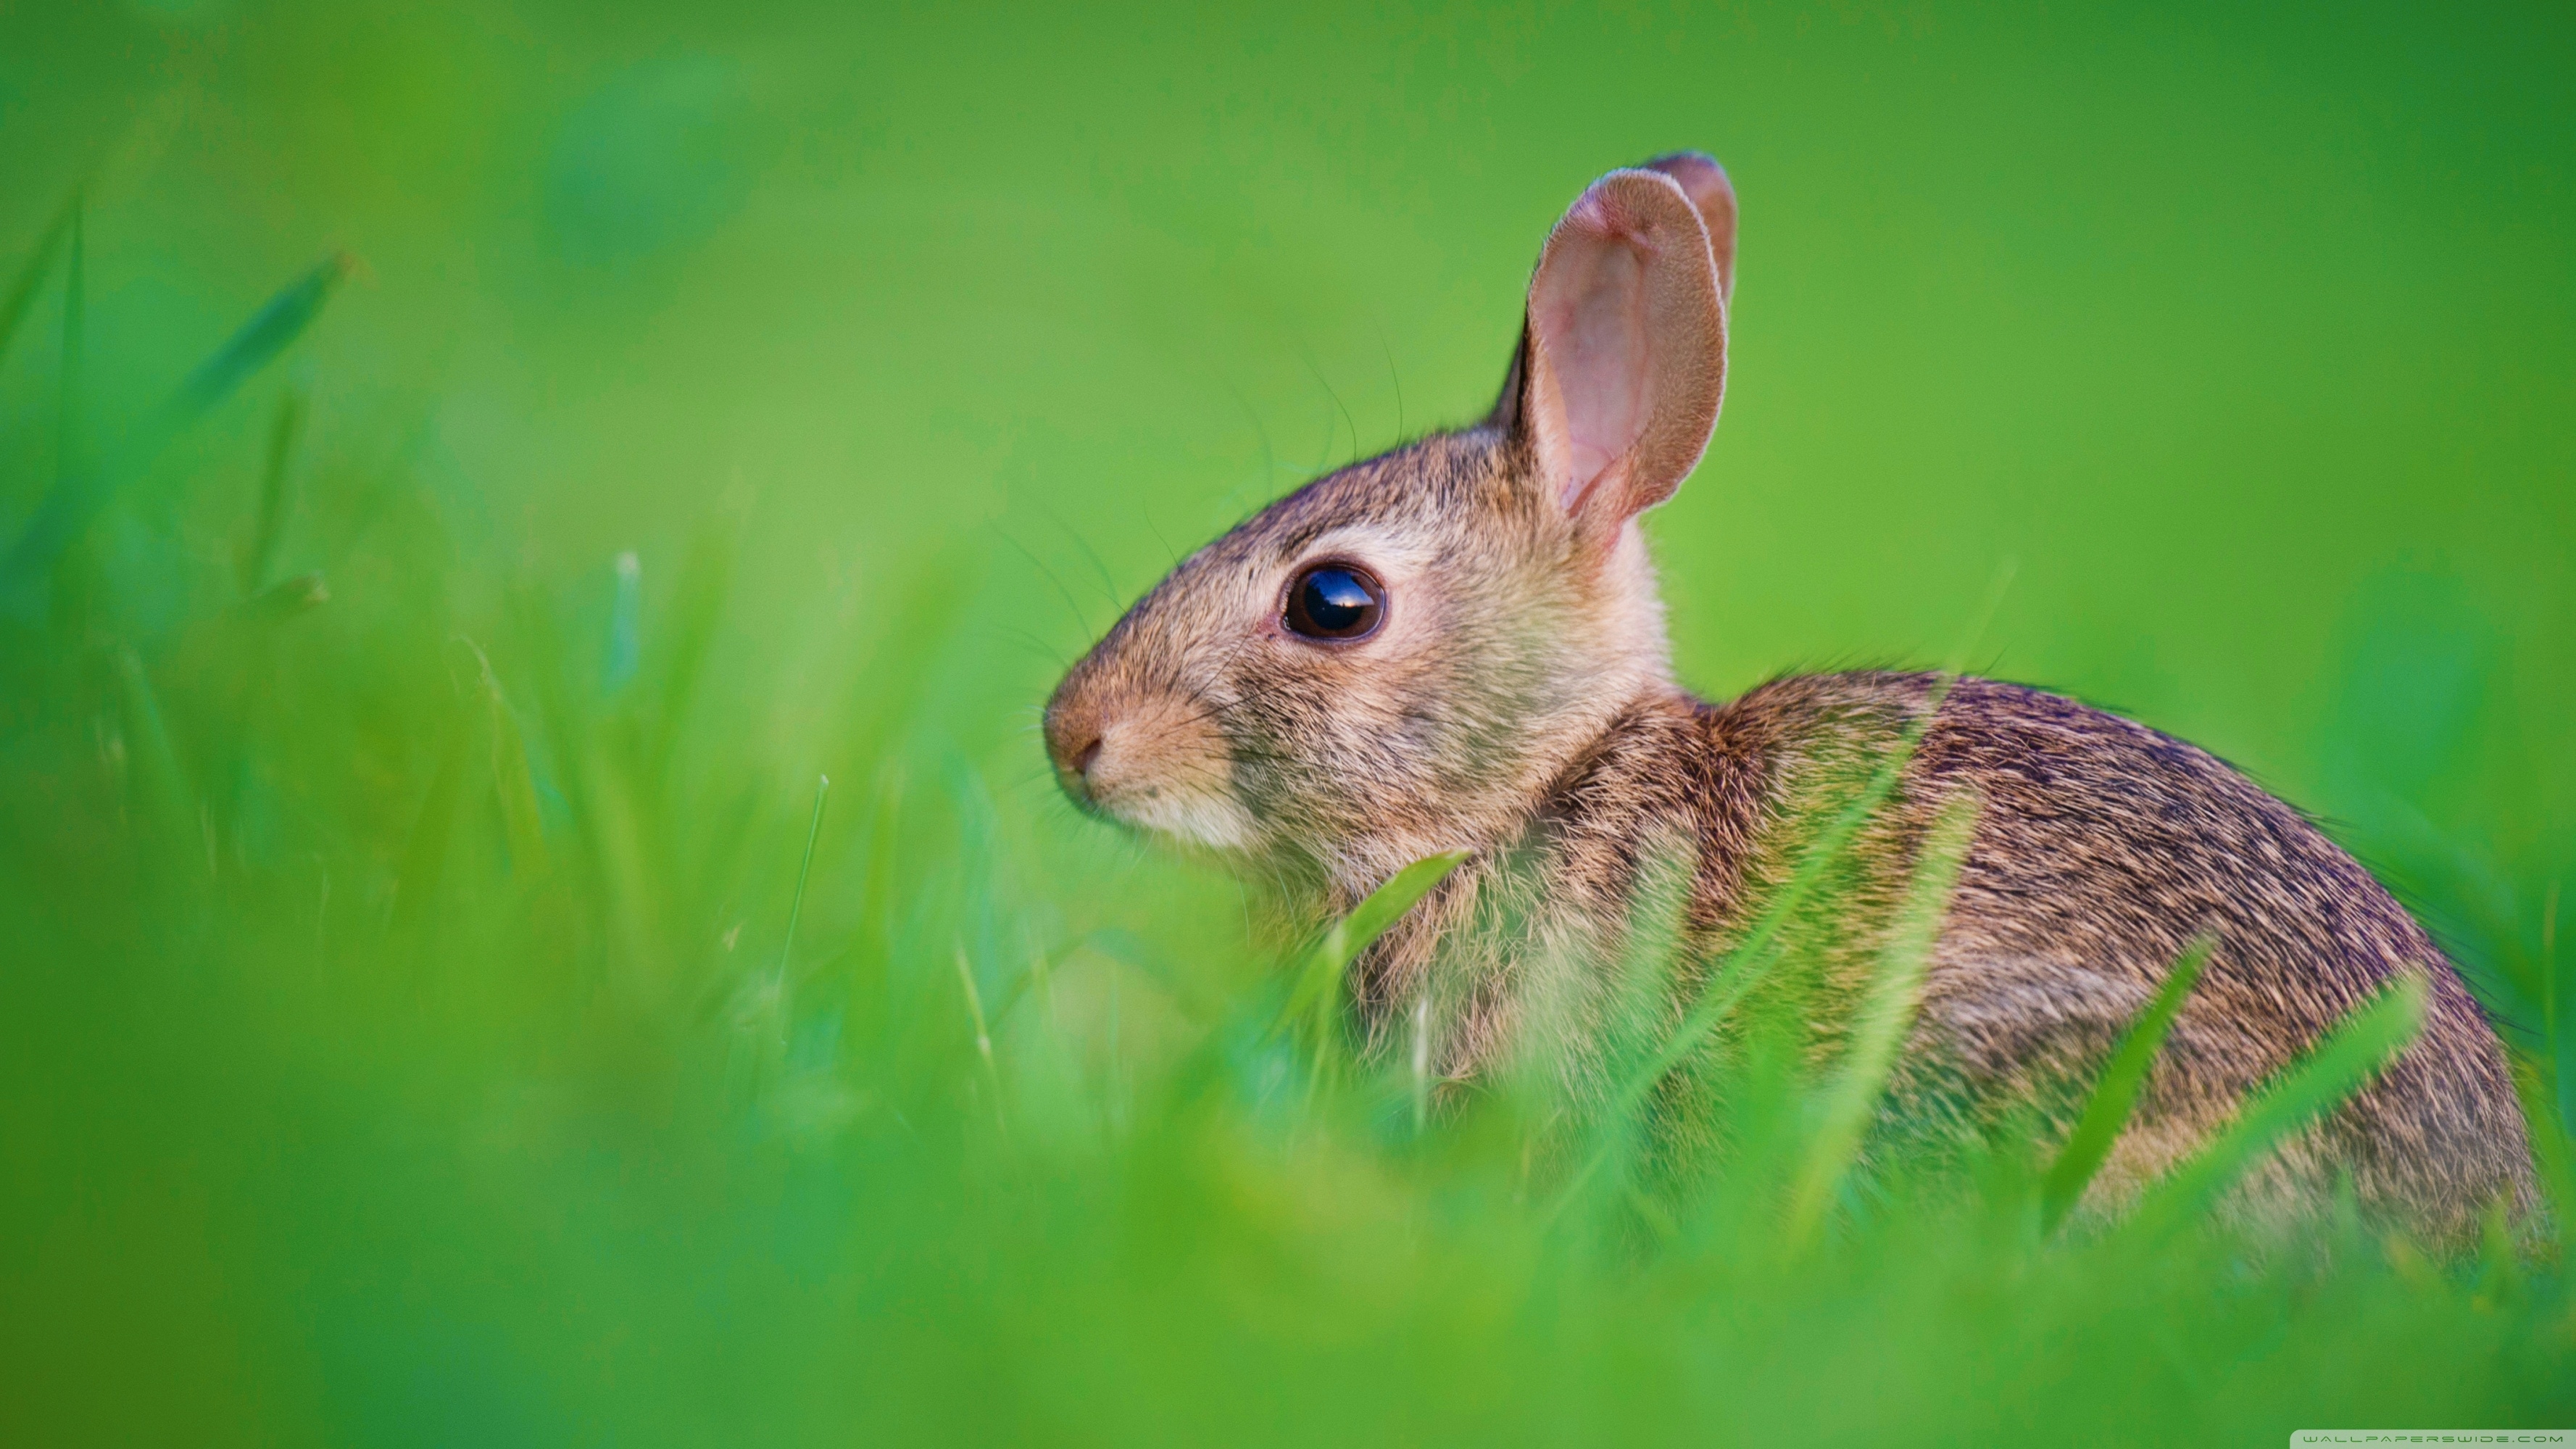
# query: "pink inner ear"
1626 363
1591 320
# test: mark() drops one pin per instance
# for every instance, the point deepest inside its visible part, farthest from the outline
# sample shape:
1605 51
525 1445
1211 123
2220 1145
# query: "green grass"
438 1005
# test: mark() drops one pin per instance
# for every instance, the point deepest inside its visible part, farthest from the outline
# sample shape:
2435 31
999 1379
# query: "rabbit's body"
2100 849
1458 645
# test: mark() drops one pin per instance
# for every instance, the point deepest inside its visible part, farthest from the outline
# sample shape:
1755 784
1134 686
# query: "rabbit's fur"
1517 701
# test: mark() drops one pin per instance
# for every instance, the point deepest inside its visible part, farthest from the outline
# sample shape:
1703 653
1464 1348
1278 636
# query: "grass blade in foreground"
513 782
1319 979
77 496
796 913
2551 1151
265 335
1745 966
168 802
258 549
2107 1111
1854 1092
2367 1039
22 291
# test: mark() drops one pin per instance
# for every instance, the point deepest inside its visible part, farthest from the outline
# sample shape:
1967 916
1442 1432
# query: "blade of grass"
268 524
896 665
1110 944
796 903
698 596
424 856
71 584
983 1034
284 600
1421 1063
2562 1039
1317 989
2367 1039
629 865
21 296
625 654
610 843
2500 1276
160 782
1648 981
764 1006
71 437
1188 995
80 492
266 334
513 782
1744 967
1852 1096
2551 1151
2106 1112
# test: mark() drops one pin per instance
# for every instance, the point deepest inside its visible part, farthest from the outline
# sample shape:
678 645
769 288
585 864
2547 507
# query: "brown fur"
1518 702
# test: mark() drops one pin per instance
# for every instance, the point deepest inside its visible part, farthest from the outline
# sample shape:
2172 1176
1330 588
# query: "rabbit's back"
2101 848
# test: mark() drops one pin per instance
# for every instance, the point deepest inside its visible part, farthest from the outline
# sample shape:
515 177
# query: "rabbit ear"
1713 197
1622 362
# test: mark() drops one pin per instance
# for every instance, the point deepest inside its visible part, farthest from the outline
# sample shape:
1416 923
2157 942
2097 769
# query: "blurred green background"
396 1047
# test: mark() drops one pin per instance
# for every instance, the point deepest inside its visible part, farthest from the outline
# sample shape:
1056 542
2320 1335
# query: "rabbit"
1458 645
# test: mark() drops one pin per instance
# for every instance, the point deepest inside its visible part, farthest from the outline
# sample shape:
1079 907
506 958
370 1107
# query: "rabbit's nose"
1073 743
1074 764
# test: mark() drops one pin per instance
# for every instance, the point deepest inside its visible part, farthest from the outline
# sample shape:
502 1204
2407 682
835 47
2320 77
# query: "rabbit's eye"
1335 601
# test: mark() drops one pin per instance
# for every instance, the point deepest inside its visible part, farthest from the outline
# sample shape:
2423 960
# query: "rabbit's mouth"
1156 765
1177 810
1192 818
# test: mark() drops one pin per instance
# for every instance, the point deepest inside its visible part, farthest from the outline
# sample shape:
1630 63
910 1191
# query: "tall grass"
422 1025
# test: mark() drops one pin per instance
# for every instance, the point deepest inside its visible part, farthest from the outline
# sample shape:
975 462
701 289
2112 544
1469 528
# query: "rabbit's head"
1403 656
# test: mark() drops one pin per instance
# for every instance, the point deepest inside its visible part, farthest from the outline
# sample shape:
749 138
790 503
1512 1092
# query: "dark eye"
1335 601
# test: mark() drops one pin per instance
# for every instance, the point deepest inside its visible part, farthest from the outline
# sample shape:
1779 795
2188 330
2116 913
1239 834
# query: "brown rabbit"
1458 645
